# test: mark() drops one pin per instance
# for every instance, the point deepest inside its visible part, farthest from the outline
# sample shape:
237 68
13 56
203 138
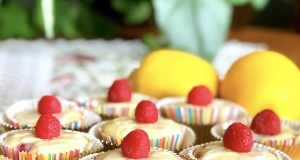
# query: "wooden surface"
286 42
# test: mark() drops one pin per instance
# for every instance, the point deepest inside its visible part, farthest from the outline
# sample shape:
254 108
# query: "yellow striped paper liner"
31 104
16 155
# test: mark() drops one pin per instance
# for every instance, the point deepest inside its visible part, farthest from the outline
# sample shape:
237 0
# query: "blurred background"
76 48
128 19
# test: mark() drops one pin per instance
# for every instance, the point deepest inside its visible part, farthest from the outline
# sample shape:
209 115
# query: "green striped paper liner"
99 105
218 111
88 117
13 153
189 153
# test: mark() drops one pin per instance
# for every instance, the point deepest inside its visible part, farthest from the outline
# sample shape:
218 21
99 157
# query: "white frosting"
153 155
218 151
30 117
131 104
65 142
121 126
286 133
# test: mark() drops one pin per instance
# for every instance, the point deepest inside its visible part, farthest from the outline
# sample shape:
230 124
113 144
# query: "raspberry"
47 127
238 137
120 91
266 122
25 147
49 105
200 95
136 144
146 112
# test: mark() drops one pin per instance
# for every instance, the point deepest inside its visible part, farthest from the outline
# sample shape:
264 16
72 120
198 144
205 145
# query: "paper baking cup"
13 153
289 146
188 152
112 110
88 117
174 143
222 111
94 156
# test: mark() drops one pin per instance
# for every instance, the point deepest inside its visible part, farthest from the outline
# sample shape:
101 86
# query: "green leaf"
256 4
14 21
139 13
134 11
259 4
151 41
238 2
196 26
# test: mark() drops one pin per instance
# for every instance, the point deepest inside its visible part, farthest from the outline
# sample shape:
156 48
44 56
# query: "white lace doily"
72 69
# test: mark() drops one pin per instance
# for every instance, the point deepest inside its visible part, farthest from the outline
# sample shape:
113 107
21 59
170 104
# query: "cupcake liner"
222 111
174 143
94 156
94 144
290 146
188 152
88 117
110 110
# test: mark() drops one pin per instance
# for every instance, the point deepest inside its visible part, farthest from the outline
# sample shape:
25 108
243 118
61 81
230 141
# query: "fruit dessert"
200 111
237 144
46 141
163 133
24 114
118 101
135 145
268 129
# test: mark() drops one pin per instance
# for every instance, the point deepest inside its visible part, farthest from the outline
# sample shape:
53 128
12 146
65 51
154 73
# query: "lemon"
261 80
167 72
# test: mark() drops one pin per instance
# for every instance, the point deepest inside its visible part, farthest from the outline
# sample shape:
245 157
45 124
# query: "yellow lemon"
261 80
166 72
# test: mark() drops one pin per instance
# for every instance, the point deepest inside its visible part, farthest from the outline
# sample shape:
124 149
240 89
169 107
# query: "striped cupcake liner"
113 109
173 142
219 111
15 154
94 156
189 153
290 146
88 117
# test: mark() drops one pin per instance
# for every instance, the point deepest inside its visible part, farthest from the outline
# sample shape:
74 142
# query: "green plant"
197 26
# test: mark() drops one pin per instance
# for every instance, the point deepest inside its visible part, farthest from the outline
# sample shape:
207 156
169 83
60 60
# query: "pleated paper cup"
200 119
109 110
87 120
95 155
174 142
15 154
190 153
290 146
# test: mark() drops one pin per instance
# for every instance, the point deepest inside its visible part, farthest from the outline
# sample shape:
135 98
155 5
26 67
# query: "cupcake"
163 133
24 114
118 101
268 129
135 145
200 111
237 143
46 141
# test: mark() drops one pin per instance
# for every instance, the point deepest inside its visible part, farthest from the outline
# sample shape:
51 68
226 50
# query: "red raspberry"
25 147
266 122
136 144
49 105
146 112
47 127
120 91
200 95
238 137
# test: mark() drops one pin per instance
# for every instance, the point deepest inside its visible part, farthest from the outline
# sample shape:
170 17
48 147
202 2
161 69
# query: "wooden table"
286 42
